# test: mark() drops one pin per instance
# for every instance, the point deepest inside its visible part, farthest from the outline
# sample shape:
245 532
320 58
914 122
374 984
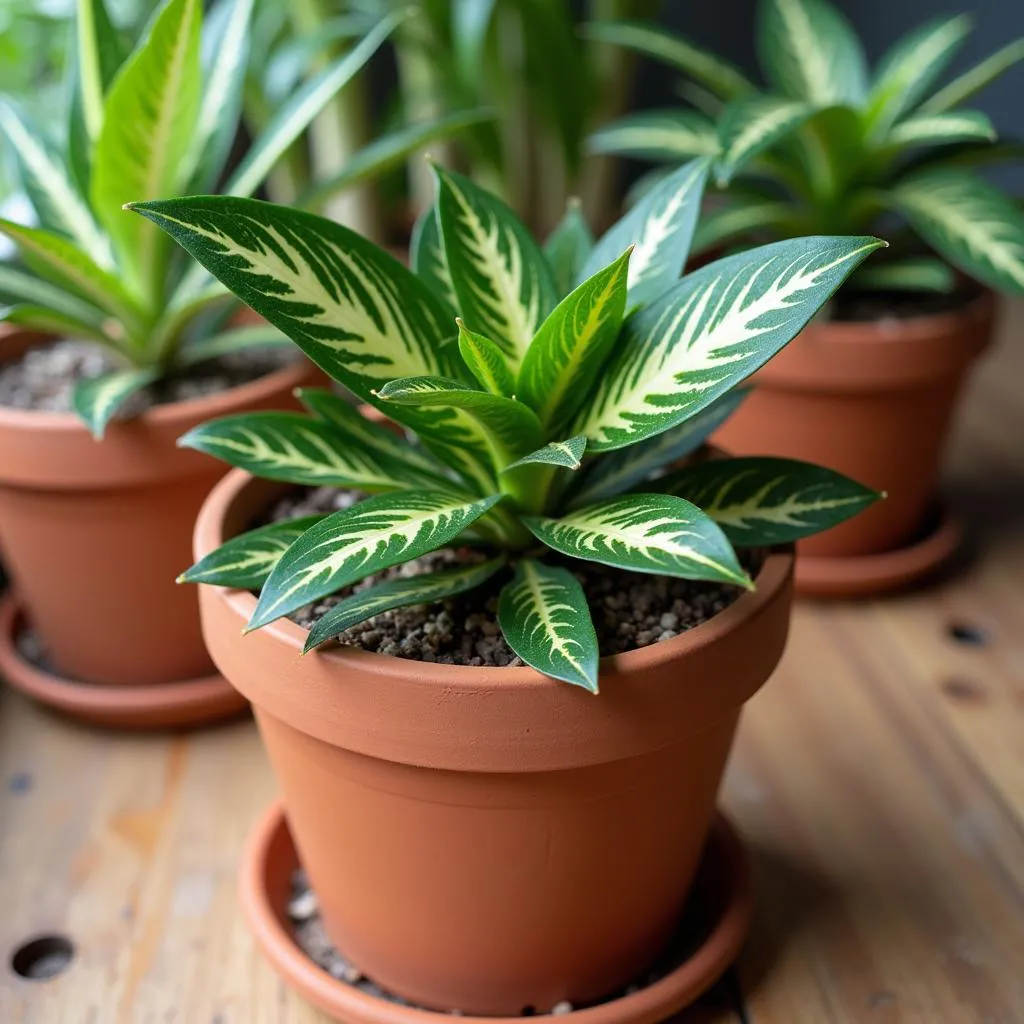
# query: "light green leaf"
909 68
565 358
486 362
367 538
615 472
18 287
763 501
423 588
428 259
972 82
969 222
907 275
96 399
99 56
294 448
721 77
750 125
569 247
740 217
660 228
245 561
148 121
655 533
236 339
710 332
40 318
670 135
566 454
502 280
941 129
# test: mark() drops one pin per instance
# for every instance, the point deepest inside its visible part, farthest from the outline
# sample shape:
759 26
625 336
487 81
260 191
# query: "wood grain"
878 779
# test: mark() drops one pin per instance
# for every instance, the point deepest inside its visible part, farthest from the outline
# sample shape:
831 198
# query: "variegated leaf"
924 273
655 533
740 217
710 332
569 247
486 362
236 339
660 228
16 286
572 345
566 454
618 471
50 321
763 501
751 125
810 52
969 222
423 588
98 58
658 135
428 259
502 280
544 617
367 538
297 449
971 82
245 561
97 399
941 129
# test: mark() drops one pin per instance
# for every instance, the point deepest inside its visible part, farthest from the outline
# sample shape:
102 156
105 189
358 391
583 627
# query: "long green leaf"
670 135
565 358
941 130
486 362
655 533
914 274
972 82
544 617
739 218
99 56
18 287
428 260
245 561
569 247
566 454
750 125
236 339
97 399
710 332
763 501
40 318
423 588
367 538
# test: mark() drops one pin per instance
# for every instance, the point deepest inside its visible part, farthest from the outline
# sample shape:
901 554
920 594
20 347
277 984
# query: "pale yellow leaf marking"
546 610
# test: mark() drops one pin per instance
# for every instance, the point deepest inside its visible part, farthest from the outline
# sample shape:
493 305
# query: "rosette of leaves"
831 145
158 119
548 396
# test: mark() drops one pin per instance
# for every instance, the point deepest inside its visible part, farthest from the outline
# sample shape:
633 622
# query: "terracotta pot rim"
651 1004
770 580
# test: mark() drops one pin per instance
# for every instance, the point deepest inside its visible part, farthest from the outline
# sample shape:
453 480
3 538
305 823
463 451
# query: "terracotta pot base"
153 706
871 575
723 919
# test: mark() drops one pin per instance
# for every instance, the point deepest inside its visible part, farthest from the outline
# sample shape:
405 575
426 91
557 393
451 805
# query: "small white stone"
563 1007
303 906
352 974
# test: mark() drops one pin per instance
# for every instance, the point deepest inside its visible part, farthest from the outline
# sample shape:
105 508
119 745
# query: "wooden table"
878 779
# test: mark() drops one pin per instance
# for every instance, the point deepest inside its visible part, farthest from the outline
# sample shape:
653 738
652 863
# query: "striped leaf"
763 501
502 280
294 448
572 345
486 362
968 222
924 273
569 247
245 561
428 260
660 228
740 217
710 332
97 399
367 538
544 617
971 82
149 117
670 135
722 78
909 68
566 454
750 125
236 339
810 52
99 55
941 130
655 533
616 472
423 588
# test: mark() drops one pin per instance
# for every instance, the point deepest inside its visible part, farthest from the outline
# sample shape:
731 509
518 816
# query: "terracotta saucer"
163 706
719 926
870 575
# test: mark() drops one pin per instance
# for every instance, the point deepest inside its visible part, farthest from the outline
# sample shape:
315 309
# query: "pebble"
303 906
561 1008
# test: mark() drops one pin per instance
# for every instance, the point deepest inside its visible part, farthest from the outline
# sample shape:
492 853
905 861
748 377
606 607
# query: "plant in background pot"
549 859
871 387
91 529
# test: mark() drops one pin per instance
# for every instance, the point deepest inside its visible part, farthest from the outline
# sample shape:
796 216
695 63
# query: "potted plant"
91 528
871 386
480 837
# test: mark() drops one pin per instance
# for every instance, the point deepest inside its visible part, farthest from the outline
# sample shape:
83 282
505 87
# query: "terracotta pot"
93 534
872 400
489 839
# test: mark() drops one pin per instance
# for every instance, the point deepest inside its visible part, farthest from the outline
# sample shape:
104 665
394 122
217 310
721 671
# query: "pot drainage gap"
43 957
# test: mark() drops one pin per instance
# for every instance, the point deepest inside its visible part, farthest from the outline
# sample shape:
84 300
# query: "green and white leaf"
16 286
569 247
913 274
750 125
941 129
971 82
236 339
428 259
968 222
763 501
245 561
99 56
423 588
367 538
486 362
710 332
544 617
660 228
502 280
655 533
97 399
741 217
567 454
670 135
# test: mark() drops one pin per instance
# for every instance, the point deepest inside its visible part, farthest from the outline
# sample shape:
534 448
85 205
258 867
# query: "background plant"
547 390
831 146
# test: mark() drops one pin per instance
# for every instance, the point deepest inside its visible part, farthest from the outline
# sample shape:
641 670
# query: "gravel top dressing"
629 609
44 377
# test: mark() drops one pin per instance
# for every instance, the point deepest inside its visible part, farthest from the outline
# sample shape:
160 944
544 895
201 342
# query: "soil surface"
859 307
629 609
44 377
